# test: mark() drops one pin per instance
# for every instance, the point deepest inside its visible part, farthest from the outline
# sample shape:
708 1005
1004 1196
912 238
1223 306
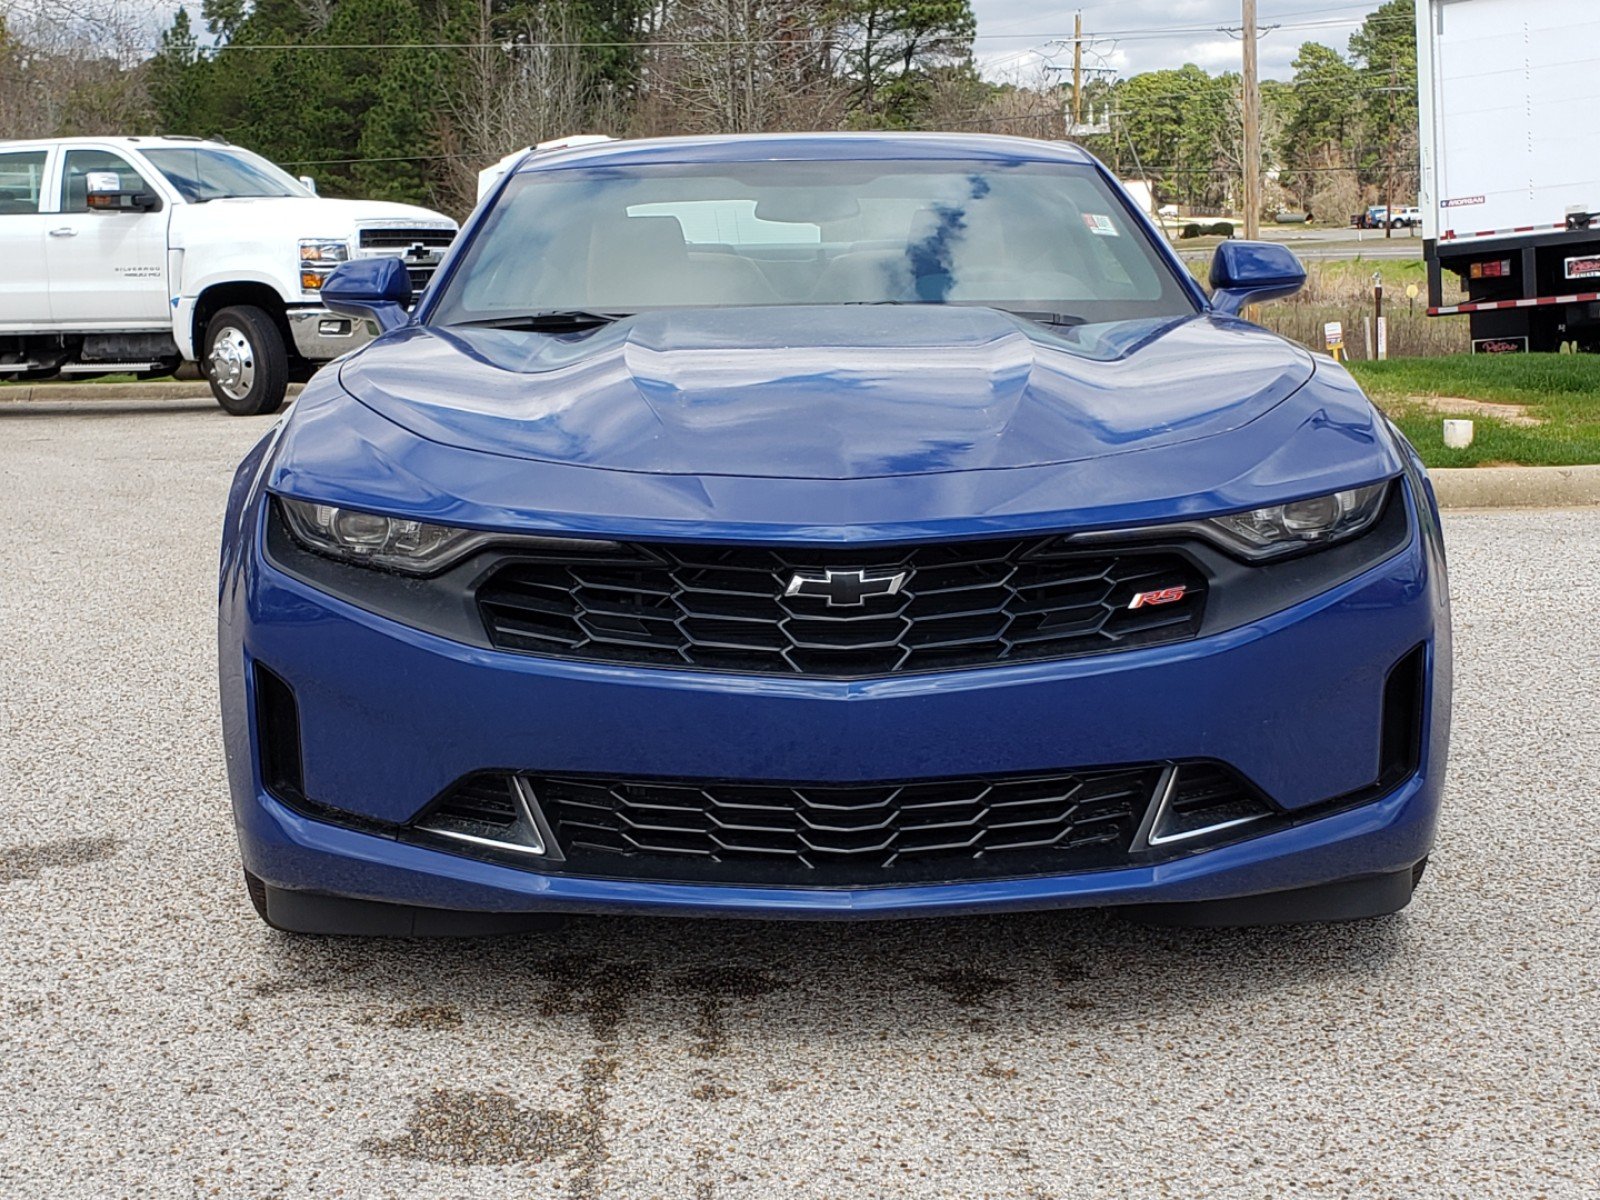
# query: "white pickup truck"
136 254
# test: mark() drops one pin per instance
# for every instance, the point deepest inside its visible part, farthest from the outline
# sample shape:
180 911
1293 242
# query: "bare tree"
517 87
1025 104
73 67
742 66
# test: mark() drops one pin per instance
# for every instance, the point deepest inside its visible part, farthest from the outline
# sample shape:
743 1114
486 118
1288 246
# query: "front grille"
403 238
822 835
421 249
886 610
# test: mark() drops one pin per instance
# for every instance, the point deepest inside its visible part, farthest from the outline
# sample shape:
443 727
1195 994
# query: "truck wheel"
245 361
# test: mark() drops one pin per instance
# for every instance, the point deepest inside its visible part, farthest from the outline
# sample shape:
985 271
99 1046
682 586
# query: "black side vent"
1403 693
493 814
278 733
479 800
1201 802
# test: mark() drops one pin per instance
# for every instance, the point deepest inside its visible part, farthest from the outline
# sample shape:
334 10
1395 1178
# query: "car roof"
801 147
138 142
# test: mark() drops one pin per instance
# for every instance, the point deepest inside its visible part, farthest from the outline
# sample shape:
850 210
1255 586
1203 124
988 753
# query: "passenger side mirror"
1252 273
106 194
309 184
370 289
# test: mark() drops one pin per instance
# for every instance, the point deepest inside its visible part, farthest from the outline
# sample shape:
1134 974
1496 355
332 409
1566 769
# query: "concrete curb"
161 390
1516 487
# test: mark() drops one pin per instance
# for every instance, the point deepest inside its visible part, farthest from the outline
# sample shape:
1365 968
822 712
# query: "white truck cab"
135 254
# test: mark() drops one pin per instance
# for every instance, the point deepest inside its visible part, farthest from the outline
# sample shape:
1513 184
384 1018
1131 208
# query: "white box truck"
1511 167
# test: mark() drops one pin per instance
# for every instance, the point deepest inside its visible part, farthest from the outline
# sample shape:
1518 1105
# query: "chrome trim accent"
1148 838
1160 798
305 330
821 584
534 816
539 839
456 835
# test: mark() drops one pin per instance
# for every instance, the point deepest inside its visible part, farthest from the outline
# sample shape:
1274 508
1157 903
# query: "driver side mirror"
105 193
1252 273
370 289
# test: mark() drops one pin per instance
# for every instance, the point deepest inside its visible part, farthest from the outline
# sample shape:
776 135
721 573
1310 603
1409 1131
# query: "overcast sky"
1014 36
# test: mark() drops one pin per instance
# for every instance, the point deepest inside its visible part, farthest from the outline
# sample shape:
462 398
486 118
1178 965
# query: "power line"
1141 33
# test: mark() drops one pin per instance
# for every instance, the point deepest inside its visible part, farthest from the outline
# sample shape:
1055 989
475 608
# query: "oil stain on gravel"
427 1016
601 992
711 988
25 862
472 1129
969 988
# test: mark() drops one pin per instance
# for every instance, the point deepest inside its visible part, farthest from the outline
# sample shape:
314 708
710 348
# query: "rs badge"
1169 595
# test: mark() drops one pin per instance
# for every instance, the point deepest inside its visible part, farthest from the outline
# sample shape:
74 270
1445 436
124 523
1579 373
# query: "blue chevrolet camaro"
828 526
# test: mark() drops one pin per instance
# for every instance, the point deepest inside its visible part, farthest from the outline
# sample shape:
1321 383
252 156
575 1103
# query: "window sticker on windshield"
1101 224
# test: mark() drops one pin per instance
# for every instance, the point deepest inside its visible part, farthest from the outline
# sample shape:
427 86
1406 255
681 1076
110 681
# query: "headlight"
318 256
1285 528
416 547
392 543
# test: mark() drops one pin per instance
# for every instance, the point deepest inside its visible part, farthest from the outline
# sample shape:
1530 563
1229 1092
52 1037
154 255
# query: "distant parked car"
1377 217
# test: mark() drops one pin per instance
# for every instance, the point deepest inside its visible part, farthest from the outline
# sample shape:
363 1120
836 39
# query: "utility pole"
1388 175
1252 126
1077 71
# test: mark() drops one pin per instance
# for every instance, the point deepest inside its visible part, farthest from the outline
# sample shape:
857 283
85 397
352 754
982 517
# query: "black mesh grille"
482 799
401 239
947 829
843 611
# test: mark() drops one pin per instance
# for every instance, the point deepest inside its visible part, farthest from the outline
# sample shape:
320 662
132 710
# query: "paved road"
1324 243
155 1040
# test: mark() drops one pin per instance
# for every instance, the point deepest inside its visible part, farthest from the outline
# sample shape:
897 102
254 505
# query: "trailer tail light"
1499 269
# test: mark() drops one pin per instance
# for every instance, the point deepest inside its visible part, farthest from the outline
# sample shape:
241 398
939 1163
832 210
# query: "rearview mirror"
370 289
1252 273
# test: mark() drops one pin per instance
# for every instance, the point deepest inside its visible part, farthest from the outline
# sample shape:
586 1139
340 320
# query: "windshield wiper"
555 320
1065 320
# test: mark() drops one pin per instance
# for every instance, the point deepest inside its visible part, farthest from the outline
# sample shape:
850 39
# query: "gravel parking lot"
157 1040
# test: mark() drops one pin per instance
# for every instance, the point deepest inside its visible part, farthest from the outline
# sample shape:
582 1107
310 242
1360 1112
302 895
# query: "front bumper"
320 335
390 716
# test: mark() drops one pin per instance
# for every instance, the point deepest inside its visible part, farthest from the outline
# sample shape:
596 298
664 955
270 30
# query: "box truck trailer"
1511 168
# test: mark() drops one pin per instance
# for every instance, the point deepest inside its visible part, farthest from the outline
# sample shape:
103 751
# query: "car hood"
826 392
305 216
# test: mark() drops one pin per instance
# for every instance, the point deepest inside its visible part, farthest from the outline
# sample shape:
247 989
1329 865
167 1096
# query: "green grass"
1561 390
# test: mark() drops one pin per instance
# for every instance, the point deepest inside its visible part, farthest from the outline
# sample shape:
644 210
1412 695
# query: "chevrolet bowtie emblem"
846 589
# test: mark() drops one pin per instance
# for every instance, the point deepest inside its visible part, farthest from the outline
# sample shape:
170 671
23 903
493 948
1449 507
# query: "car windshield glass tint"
200 174
1038 238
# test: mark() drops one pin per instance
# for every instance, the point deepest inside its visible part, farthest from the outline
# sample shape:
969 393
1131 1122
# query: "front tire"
245 361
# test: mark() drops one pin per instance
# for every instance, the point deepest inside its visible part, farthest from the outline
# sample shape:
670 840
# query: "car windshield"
1052 241
201 173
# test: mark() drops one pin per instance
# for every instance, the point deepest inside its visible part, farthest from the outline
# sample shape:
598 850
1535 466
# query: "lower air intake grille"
844 612
833 834
826 835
